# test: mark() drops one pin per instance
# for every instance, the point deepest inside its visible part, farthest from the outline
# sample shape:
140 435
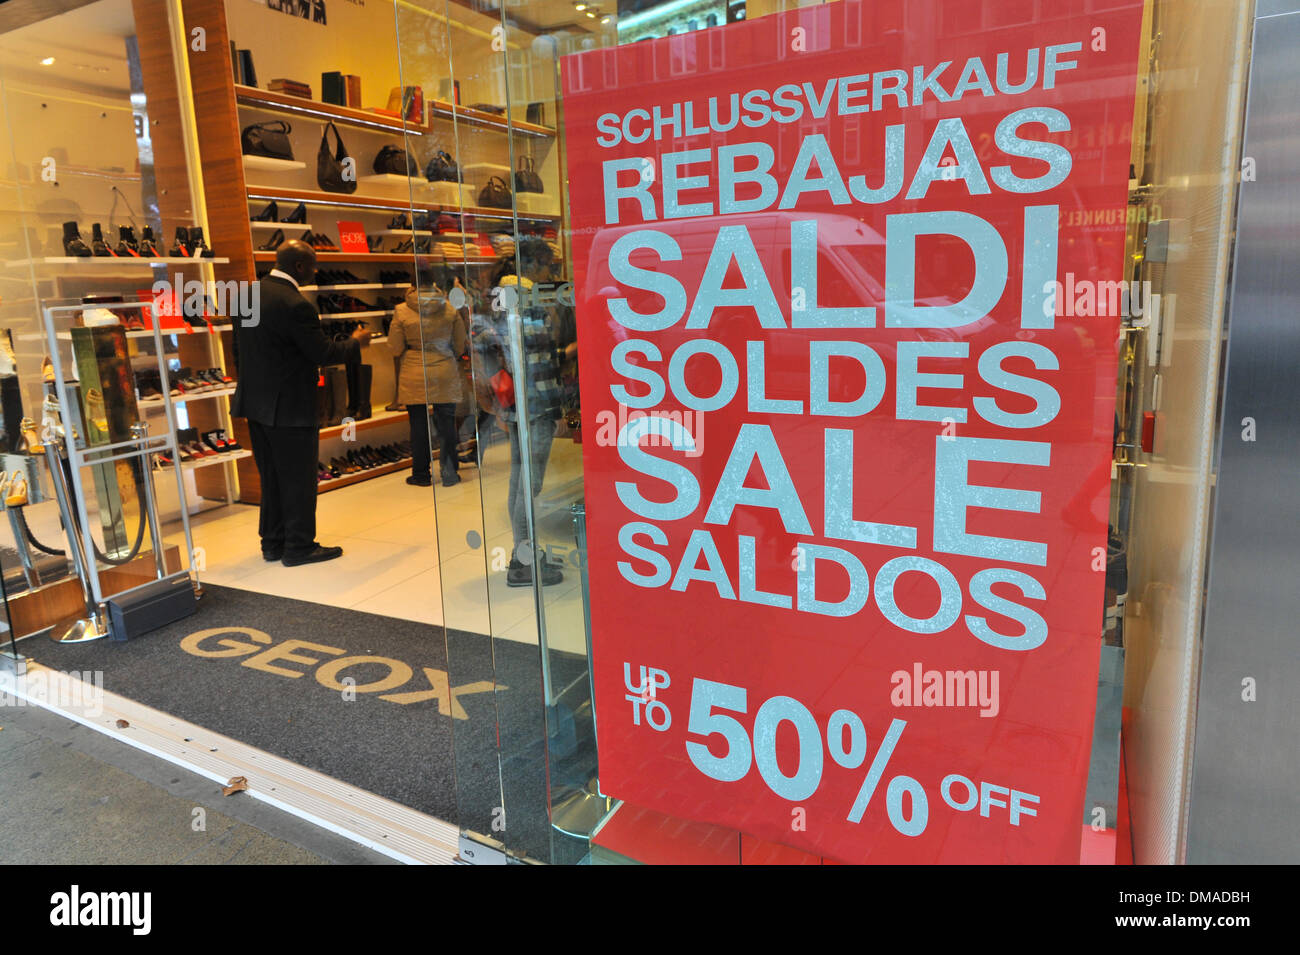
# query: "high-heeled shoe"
399 221
375 243
73 243
98 246
30 441
404 246
298 216
47 370
272 243
270 214
16 490
180 247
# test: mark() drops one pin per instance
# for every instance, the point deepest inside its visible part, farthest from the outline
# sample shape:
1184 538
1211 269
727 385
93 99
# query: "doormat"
360 697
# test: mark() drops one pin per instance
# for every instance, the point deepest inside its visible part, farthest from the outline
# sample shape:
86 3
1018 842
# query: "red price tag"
352 237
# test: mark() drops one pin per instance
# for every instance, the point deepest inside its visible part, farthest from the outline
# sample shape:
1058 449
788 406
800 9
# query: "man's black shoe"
420 481
313 556
275 553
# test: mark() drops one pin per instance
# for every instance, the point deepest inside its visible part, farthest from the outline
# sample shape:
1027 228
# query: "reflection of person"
540 330
278 354
428 337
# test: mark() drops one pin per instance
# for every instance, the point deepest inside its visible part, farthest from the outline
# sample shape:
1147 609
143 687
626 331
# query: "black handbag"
330 167
526 178
396 162
495 195
267 139
442 168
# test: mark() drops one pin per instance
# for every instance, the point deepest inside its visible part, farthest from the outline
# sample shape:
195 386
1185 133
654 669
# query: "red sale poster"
848 284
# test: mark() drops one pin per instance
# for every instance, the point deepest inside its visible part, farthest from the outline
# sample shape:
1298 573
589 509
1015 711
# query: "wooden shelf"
381 257
360 476
110 261
271 164
340 200
283 103
378 420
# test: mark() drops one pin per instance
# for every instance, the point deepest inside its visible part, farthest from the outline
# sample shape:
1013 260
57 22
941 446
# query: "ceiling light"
606 18
580 7
48 61
590 14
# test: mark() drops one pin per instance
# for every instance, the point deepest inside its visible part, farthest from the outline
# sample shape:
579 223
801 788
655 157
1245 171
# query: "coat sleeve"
397 332
305 332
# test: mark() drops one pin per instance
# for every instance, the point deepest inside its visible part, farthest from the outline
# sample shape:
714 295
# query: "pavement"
72 796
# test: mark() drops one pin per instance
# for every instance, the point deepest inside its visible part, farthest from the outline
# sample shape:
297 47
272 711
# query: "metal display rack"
72 494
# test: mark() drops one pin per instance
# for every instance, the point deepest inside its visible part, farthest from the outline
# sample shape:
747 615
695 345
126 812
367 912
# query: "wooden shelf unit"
447 112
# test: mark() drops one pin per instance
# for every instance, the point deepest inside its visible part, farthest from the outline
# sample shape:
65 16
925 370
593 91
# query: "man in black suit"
278 354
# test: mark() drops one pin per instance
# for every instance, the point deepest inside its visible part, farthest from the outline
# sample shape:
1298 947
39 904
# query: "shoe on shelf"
314 556
180 247
399 221
148 245
197 247
127 247
98 246
298 216
73 244
272 243
270 214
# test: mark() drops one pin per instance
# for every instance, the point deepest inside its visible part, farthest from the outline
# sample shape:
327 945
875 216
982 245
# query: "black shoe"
299 215
270 214
314 556
450 479
73 244
197 247
419 481
180 248
519 574
127 247
272 243
97 244
272 554
148 245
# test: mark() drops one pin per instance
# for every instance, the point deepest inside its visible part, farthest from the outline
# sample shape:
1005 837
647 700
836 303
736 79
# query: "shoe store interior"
156 157
161 153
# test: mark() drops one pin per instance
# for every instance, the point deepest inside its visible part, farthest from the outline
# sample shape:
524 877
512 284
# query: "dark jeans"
444 423
286 462
542 435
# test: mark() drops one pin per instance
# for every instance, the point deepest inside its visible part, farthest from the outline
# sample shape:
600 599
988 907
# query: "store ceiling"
88 46
550 15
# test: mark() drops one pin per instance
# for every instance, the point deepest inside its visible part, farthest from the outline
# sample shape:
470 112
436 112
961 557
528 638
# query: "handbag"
526 178
267 139
495 194
396 162
442 168
503 387
330 168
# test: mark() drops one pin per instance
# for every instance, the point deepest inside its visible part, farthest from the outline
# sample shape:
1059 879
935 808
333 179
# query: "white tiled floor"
410 553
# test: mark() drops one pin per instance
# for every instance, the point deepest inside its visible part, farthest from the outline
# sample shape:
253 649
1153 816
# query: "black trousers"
286 461
444 422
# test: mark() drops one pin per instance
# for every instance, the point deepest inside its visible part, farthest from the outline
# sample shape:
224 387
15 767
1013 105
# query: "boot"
97 244
365 375
148 246
126 244
180 248
73 244
197 247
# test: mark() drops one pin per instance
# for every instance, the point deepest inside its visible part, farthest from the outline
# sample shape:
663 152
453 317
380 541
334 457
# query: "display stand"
72 493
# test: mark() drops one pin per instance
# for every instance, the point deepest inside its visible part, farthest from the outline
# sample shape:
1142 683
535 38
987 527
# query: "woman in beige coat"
428 336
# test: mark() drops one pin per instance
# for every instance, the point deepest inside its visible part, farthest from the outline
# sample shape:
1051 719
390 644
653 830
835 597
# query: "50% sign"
712 704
